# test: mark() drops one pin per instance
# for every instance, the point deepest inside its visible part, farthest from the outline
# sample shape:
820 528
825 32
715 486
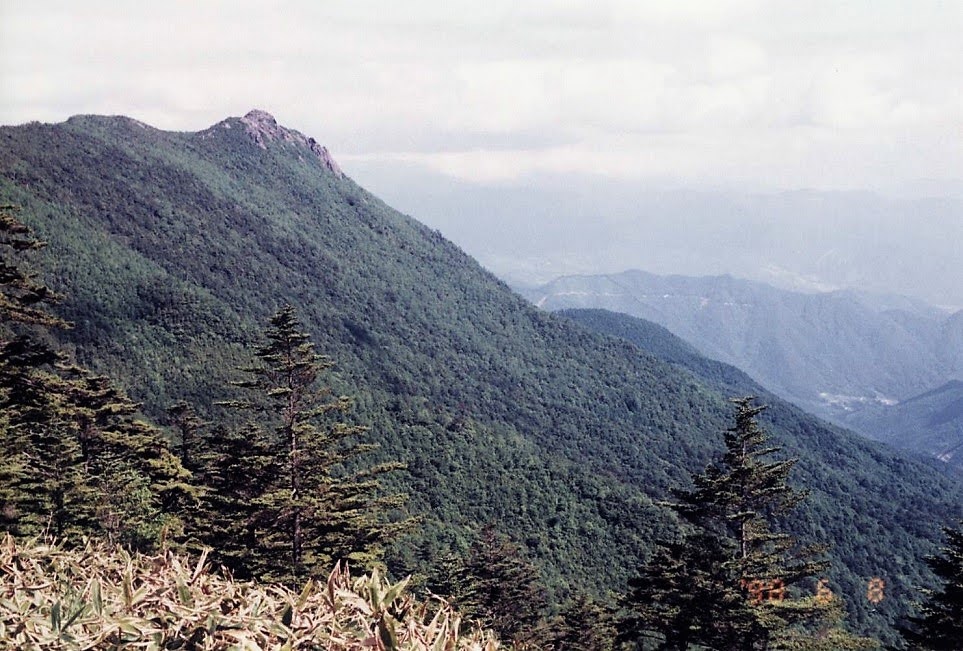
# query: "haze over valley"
805 240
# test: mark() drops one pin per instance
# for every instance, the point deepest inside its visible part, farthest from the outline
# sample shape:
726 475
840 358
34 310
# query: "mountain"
552 225
831 352
659 342
931 421
173 249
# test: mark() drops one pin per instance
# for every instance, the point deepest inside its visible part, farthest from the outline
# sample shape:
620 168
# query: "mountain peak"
260 116
263 129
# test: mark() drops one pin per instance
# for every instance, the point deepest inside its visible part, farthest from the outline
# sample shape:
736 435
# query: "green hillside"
175 248
830 352
932 420
656 340
661 343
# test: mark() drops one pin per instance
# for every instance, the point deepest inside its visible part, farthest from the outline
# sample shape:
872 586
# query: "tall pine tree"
732 581
939 626
313 510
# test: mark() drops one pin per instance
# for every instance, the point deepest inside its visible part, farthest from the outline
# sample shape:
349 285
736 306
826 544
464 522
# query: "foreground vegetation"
102 597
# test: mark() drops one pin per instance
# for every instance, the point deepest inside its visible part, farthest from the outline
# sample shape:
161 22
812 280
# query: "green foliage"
497 588
731 582
235 469
824 481
76 458
27 413
585 625
53 491
939 625
174 248
188 427
686 594
22 296
308 511
796 343
738 498
126 508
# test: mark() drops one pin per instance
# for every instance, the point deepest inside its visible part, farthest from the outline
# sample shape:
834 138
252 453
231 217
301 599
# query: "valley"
850 357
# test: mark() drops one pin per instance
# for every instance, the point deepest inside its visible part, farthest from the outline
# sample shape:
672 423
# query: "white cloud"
735 58
815 94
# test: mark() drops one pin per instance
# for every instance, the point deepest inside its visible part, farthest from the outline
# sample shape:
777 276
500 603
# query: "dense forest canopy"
173 251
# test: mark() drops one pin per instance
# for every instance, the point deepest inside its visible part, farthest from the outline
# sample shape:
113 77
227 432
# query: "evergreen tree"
53 493
585 625
685 594
89 465
69 436
235 470
313 511
22 296
115 442
732 581
939 626
189 427
43 486
497 588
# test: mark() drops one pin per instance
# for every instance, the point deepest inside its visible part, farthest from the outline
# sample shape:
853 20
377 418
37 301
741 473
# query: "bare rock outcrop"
264 129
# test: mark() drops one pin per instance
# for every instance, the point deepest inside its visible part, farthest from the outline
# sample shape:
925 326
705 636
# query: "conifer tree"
731 583
314 510
939 626
235 469
585 625
41 486
497 588
116 442
685 594
68 435
52 493
22 296
90 465
189 427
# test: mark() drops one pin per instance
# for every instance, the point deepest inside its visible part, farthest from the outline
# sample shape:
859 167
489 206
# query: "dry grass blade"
104 598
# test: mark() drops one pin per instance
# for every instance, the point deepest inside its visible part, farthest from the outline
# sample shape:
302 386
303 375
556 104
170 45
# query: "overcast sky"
744 94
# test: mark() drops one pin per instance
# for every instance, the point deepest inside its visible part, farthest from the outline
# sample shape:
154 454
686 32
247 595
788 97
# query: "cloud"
814 94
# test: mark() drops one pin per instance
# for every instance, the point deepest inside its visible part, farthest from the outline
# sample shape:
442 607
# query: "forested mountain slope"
932 420
830 352
659 342
175 248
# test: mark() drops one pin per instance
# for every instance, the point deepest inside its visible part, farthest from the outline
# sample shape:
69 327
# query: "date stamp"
774 590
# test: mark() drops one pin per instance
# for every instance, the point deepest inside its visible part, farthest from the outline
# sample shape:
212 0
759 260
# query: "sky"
741 94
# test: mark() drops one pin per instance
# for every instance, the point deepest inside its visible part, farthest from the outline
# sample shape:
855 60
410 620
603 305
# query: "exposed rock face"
263 128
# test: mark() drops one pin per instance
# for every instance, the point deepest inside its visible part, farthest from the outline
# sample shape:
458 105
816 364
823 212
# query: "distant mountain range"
805 240
173 249
848 356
